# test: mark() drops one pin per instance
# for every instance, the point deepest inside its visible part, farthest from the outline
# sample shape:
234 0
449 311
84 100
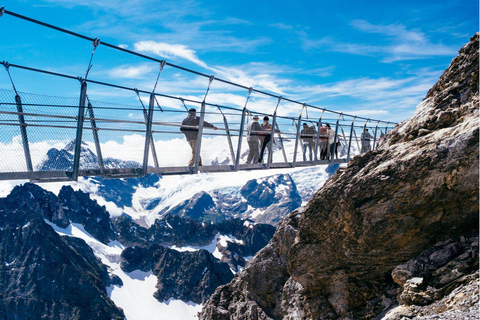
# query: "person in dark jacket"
254 130
266 138
190 129
308 139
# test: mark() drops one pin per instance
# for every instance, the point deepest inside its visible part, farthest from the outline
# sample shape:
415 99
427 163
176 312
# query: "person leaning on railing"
190 129
254 130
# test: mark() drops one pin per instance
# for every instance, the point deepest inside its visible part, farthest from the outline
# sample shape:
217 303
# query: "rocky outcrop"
258 291
189 276
389 205
79 208
441 283
176 231
44 275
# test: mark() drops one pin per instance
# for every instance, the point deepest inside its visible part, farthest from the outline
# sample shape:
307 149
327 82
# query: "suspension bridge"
59 138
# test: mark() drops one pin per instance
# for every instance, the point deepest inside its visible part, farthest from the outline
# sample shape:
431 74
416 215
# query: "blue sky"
371 58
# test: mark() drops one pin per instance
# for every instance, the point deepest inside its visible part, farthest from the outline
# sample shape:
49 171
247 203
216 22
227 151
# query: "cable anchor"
95 43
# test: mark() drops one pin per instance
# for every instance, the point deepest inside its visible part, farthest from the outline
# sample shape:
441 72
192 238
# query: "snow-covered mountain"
261 196
67 244
62 159
159 245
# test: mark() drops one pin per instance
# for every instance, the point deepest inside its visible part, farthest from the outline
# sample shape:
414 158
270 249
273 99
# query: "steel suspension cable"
2 10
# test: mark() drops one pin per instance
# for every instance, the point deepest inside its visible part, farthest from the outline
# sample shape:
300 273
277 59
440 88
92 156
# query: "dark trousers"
266 140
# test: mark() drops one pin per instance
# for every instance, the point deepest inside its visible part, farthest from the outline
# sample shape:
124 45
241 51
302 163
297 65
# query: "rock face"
260 290
181 232
442 280
59 277
44 275
420 187
189 276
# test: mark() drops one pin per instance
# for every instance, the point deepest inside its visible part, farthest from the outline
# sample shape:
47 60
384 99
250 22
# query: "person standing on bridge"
331 138
366 137
254 130
323 142
190 129
307 135
265 139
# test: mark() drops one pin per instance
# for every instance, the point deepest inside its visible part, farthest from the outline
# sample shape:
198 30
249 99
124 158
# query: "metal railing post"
363 136
229 137
317 140
23 131
152 144
281 144
199 137
240 138
95 136
350 139
296 141
335 138
148 133
270 146
375 136
78 139
343 134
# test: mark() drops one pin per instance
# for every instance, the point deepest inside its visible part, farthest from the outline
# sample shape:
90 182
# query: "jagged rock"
43 274
189 276
391 204
177 231
256 292
44 203
63 159
79 208
437 271
263 200
387 207
441 283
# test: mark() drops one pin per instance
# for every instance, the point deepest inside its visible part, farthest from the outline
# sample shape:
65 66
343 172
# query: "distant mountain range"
266 199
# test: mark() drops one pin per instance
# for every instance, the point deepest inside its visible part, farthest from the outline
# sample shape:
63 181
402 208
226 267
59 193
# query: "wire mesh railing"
50 138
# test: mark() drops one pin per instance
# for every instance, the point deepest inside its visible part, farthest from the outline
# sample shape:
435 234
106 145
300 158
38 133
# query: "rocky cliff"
420 187
44 275
46 271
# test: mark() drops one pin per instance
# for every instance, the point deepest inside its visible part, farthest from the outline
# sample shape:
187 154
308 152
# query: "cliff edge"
419 188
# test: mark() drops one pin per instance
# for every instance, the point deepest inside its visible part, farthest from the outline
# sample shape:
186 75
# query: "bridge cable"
246 102
3 11
95 44
183 102
162 64
7 68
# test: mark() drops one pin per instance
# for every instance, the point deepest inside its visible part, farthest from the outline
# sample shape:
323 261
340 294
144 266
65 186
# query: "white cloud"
132 72
166 50
394 30
400 43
